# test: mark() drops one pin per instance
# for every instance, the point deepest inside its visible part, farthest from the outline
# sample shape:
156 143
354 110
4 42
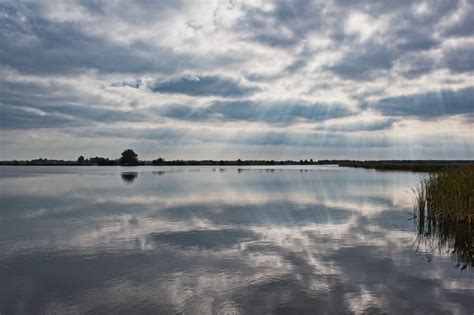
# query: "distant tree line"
161 161
407 165
130 158
127 158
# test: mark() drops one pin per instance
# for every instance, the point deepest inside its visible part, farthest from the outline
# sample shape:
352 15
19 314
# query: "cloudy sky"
229 79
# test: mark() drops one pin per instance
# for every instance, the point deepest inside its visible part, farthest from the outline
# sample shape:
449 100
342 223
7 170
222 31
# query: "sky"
340 79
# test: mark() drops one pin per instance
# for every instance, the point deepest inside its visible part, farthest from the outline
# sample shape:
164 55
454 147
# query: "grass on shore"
447 194
445 211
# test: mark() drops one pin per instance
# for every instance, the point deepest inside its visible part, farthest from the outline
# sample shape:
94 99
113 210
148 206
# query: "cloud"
30 117
282 26
364 125
462 23
33 44
203 86
415 65
255 111
136 84
460 58
170 136
310 75
362 62
389 34
396 43
429 105
27 118
53 106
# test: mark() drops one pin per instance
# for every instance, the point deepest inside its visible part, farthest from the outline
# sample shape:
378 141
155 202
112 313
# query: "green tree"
158 161
80 160
129 158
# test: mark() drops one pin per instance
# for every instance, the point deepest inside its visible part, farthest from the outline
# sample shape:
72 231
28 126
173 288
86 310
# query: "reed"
445 212
447 194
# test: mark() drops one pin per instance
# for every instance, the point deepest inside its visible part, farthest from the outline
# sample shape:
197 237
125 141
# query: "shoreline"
379 165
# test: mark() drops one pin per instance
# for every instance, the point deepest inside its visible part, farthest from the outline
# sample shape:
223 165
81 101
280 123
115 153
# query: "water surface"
219 240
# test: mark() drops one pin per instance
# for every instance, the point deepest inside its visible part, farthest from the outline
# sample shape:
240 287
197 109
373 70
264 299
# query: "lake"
200 240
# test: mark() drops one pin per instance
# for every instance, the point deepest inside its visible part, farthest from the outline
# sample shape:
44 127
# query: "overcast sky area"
228 79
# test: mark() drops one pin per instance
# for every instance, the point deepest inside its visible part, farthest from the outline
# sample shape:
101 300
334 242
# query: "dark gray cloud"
402 44
12 117
361 126
203 86
140 12
53 106
254 111
414 65
284 26
408 35
404 8
464 26
133 84
362 62
414 40
33 44
460 59
429 105
97 114
26 117
288 25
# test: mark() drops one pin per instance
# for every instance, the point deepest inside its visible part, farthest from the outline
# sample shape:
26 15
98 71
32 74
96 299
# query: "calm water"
203 240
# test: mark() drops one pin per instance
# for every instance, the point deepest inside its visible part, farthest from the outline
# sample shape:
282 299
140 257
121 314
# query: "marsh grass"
444 208
447 194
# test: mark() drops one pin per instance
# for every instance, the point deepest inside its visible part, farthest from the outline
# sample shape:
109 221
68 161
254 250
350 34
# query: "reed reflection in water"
437 236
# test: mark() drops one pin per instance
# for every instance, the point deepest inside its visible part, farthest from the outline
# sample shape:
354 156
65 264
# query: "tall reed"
447 194
444 203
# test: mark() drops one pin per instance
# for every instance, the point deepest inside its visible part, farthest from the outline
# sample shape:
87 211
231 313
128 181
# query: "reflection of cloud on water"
203 239
316 257
299 266
286 269
243 242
